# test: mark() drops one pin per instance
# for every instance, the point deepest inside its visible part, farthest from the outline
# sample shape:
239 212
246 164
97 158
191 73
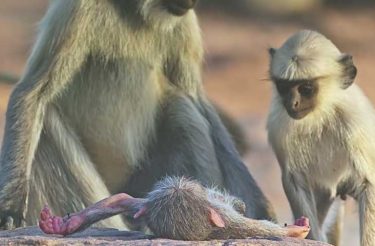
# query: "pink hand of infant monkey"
300 229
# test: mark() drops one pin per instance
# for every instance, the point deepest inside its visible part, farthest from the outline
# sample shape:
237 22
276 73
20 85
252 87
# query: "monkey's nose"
295 104
180 7
187 4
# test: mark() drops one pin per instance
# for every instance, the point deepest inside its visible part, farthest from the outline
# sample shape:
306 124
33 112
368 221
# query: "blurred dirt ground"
235 72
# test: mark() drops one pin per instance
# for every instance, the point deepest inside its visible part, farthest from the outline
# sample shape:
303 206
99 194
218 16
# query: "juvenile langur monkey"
112 101
179 209
322 129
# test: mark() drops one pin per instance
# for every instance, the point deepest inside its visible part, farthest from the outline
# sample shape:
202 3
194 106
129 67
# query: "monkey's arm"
302 202
51 66
365 193
361 150
367 215
72 223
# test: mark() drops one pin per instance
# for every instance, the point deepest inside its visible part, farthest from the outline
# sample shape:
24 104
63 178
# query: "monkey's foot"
300 229
51 224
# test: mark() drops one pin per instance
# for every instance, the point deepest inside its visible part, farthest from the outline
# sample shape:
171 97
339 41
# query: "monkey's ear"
349 70
216 218
271 51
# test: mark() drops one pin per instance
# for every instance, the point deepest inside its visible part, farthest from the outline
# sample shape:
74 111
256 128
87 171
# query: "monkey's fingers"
45 213
303 221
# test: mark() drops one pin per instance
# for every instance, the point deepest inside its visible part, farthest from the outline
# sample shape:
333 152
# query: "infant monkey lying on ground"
180 209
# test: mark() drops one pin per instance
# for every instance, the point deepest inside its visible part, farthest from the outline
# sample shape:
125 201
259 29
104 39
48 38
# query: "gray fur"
179 208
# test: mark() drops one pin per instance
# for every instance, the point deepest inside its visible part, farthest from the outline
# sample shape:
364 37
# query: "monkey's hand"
12 209
300 229
11 220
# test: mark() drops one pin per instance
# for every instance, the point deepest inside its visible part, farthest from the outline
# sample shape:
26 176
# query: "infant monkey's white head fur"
310 75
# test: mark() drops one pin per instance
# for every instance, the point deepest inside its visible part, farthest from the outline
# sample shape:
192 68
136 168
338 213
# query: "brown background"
235 70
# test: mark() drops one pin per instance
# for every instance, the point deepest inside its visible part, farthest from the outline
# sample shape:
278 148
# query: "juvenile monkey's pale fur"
111 101
330 152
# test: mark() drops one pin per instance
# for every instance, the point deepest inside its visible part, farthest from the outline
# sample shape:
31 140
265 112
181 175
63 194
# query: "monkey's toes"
51 224
45 213
303 221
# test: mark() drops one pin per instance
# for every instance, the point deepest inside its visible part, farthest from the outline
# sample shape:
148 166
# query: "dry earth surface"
235 72
96 236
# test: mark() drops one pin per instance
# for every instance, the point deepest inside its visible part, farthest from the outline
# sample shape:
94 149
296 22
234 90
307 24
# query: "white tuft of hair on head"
309 54
306 53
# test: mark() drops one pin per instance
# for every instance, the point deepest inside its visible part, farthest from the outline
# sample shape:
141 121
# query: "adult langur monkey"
321 127
111 101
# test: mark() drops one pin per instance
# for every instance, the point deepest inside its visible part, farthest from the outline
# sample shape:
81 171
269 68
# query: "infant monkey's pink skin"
51 224
116 204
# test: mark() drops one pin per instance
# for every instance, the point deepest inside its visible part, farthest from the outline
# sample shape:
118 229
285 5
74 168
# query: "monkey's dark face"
179 7
299 97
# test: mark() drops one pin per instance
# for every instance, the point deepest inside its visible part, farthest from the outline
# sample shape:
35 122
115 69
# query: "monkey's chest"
113 113
331 171
329 166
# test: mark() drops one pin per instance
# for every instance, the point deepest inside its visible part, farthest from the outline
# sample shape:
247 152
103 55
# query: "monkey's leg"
72 223
367 215
333 222
63 175
182 147
241 227
264 228
238 180
329 210
302 202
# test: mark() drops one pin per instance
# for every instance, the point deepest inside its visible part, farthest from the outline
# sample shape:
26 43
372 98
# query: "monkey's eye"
306 90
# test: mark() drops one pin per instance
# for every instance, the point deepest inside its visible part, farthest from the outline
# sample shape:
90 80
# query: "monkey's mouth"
300 114
179 8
